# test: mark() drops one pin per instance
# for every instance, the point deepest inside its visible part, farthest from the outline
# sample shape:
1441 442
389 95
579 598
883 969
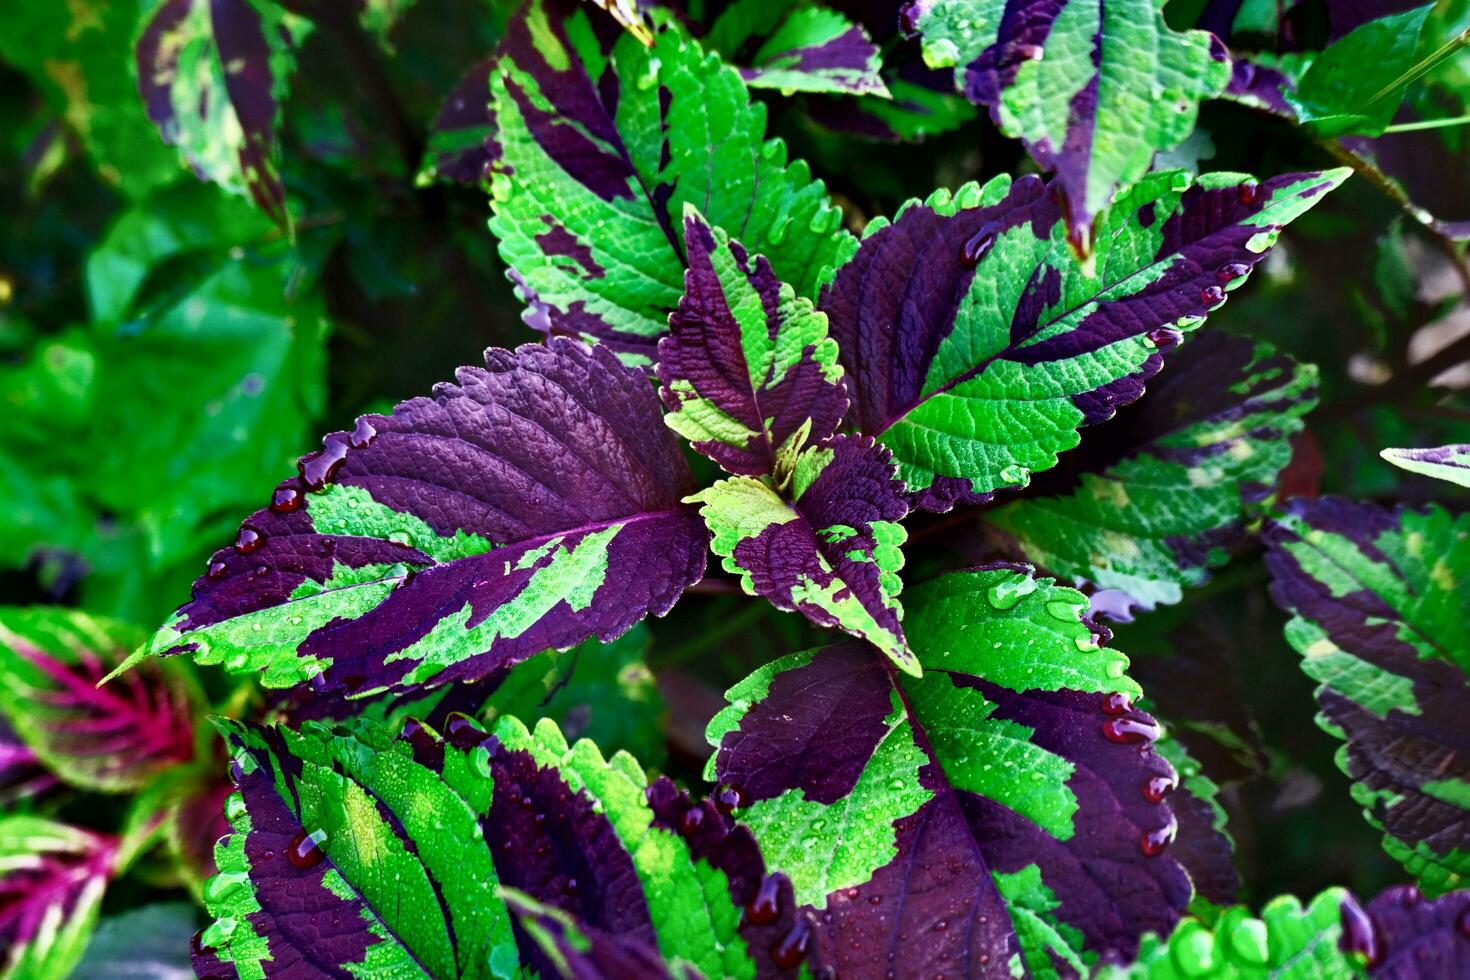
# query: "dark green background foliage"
167 351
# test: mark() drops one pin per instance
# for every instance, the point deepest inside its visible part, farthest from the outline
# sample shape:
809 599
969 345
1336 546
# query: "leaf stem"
1411 127
1420 68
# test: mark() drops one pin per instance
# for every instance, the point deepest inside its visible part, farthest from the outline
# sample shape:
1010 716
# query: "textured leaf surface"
748 371
532 505
1378 604
1450 463
1005 808
1094 89
816 49
212 74
113 738
1155 499
366 855
601 143
975 343
828 547
1203 844
51 881
1398 935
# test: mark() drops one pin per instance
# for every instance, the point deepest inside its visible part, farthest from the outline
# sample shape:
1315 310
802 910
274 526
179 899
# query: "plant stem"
1414 127
1419 69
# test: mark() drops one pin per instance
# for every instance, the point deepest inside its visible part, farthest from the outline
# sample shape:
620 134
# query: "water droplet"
1358 932
1463 923
1231 272
234 807
1086 644
317 469
1248 191
1115 704
896 784
1154 841
765 908
217 934
1009 591
693 819
216 570
286 499
1155 788
777 234
1211 295
363 434
1166 338
305 849
248 540
219 888
1015 475
791 950
1031 52
261 571
1064 611
978 245
729 799
1129 730
401 537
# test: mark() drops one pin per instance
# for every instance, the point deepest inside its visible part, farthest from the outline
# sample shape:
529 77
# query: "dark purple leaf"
532 505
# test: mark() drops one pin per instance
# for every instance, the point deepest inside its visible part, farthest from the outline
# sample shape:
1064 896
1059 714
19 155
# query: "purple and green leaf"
52 877
1094 89
532 505
1006 808
975 342
458 147
116 738
749 374
601 141
1378 605
212 74
822 539
360 854
1155 499
1450 463
816 49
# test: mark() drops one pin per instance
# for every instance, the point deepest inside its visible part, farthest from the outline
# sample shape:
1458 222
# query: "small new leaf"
828 548
748 371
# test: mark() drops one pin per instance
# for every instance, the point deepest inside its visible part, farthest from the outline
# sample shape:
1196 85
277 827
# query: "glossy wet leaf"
1006 807
1378 607
530 506
824 541
362 853
975 343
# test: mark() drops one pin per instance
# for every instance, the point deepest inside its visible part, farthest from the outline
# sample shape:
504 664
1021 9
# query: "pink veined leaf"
113 738
52 877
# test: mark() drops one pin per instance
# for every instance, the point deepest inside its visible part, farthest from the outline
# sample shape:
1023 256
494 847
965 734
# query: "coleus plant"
962 776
